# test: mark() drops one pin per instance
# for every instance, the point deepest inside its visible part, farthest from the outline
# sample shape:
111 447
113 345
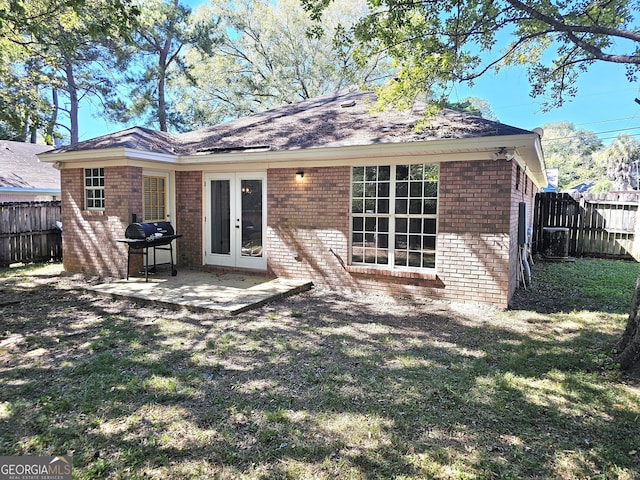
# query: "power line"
630 135
598 133
607 121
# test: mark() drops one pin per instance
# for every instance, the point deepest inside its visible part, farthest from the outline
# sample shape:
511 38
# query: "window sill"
92 213
385 272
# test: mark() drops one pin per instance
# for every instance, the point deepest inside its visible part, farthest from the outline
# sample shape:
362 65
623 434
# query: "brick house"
325 189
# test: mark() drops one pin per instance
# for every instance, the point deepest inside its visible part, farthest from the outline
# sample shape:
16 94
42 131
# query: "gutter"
527 146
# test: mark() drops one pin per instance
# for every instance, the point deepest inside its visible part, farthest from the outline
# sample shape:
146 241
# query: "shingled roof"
334 120
20 168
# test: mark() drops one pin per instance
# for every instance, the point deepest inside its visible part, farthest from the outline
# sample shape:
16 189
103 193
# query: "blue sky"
605 102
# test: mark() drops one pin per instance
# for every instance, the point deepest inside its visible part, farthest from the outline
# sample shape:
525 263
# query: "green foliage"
23 108
436 43
622 160
571 151
473 106
580 156
586 284
267 56
52 48
156 63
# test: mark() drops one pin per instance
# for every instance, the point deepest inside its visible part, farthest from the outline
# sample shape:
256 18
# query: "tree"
56 47
628 356
438 42
473 106
23 108
571 151
622 157
166 29
266 58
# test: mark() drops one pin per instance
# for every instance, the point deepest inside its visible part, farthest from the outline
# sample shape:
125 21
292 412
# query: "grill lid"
148 230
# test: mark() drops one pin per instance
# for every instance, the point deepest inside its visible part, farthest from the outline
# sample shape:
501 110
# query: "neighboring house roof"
342 119
21 171
581 187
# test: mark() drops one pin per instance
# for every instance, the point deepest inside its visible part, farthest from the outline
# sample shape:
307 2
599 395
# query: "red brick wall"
88 238
522 190
308 220
308 229
473 230
189 215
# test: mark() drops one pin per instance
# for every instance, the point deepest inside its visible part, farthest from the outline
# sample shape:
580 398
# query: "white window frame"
94 191
155 200
392 216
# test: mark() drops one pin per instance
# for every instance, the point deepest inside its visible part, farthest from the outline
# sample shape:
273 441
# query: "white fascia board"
445 150
527 147
106 154
543 181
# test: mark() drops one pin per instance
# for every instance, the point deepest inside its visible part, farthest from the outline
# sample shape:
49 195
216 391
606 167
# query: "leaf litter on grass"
320 385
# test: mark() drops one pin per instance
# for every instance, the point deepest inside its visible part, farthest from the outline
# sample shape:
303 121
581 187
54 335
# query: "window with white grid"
394 215
94 188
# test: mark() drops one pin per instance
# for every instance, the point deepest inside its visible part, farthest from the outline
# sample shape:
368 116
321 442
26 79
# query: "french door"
235 217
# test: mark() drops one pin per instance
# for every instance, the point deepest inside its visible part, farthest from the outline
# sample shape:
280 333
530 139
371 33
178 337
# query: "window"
154 200
94 188
394 215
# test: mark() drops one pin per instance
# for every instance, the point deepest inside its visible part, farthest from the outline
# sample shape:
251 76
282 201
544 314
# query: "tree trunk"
50 127
162 76
629 345
73 102
162 107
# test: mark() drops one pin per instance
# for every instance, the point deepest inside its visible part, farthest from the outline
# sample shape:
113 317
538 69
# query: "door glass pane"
251 194
220 217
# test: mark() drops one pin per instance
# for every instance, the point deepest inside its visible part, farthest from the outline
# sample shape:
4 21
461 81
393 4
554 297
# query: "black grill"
141 236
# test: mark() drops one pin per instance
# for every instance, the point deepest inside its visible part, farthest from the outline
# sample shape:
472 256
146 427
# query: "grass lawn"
323 385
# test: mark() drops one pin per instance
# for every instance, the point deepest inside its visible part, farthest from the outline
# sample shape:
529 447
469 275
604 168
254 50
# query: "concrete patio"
231 292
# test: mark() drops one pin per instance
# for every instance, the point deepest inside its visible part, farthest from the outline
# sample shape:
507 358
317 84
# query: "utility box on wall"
523 221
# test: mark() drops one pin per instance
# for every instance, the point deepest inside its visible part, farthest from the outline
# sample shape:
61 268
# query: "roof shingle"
20 168
334 120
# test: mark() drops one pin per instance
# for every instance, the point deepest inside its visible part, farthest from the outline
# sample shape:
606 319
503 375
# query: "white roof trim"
106 154
527 146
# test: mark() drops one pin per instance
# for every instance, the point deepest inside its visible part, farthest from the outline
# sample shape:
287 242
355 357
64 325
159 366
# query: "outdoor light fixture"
500 153
504 154
299 176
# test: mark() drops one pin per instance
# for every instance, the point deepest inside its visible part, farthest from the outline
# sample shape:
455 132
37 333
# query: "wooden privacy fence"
600 224
28 232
